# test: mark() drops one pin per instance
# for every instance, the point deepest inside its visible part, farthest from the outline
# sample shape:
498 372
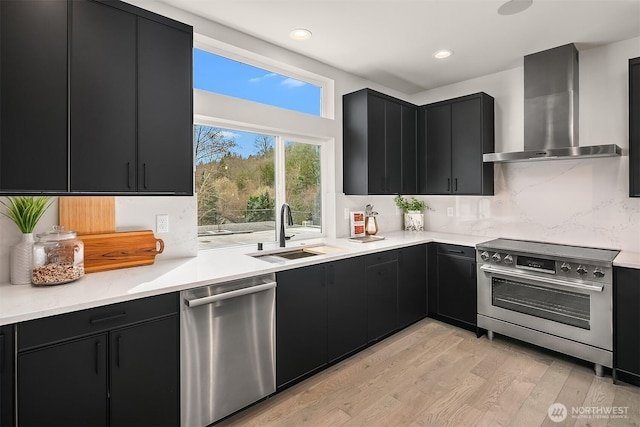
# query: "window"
215 73
238 175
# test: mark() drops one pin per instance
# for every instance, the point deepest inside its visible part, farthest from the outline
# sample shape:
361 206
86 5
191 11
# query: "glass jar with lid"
58 257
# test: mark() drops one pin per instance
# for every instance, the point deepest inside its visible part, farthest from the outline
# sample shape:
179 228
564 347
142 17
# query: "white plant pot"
414 221
22 260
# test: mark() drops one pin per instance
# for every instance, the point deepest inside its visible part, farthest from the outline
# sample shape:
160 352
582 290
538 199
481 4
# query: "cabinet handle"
455 251
2 353
118 344
108 318
448 184
472 270
144 167
129 175
455 184
98 352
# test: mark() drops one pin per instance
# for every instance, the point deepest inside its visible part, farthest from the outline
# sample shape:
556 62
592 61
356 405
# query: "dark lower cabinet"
382 294
111 366
347 307
64 384
626 325
7 379
412 284
452 286
301 323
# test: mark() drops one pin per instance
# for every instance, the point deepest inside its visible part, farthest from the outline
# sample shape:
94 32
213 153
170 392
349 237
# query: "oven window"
561 306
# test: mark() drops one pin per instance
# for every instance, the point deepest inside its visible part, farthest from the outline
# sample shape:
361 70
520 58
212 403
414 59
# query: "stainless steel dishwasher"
227 345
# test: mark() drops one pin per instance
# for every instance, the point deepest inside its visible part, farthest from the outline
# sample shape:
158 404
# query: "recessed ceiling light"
514 6
300 34
441 54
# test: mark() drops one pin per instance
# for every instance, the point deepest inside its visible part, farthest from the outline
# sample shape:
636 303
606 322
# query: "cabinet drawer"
382 257
58 328
464 251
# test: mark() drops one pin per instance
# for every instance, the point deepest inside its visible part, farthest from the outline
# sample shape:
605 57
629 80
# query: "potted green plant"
412 208
25 212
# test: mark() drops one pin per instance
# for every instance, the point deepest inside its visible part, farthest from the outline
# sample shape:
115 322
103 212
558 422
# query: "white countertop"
627 259
26 302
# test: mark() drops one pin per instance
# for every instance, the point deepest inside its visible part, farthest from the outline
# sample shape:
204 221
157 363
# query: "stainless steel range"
555 296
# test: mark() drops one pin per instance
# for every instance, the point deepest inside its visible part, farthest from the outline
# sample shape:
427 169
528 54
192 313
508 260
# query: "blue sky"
217 74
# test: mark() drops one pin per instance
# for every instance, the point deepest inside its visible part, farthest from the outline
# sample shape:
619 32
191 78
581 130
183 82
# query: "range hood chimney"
551 110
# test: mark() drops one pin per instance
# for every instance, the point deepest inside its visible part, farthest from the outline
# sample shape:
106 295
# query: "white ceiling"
391 42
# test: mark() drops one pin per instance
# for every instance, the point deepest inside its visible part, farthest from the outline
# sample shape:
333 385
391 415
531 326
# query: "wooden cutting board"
109 251
87 215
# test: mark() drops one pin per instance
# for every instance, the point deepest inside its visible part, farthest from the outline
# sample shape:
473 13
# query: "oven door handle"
582 286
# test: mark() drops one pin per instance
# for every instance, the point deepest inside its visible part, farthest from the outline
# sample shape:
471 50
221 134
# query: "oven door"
579 312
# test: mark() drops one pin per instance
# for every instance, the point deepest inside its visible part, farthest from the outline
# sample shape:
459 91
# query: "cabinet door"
301 322
347 307
466 147
165 109
376 151
412 284
6 375
393 148
634 127
33 105
457 288
409 151
144 366
627 322
64 385
438 149
102 98
382 299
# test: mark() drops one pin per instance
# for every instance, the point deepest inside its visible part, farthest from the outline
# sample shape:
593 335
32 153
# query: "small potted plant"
412 208
25 212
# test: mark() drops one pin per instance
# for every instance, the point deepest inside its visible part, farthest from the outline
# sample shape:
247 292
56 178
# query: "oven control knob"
582 270
565 267
496 257
508 259
598 273
485 256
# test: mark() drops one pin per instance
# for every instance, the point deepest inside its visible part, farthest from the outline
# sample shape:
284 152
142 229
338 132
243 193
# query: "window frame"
279 158
327 86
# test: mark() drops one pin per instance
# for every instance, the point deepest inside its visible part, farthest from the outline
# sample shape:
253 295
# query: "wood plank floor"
433 374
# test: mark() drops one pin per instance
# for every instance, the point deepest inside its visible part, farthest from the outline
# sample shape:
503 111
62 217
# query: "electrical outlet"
346 213
449 211
162 223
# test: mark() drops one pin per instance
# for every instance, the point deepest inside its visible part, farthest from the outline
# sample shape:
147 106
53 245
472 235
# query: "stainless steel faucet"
289 221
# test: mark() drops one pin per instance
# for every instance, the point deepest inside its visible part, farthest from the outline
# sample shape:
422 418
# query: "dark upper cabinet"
634 127
378 137
104 84
33 105
102 98
626 327
412 284
347 307
453 135
165 117
7 381
301 323
452 285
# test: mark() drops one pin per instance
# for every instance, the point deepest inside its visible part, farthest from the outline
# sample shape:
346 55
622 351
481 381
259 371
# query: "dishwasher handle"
228 295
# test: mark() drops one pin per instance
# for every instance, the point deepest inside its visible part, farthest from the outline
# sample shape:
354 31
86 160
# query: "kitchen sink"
283 255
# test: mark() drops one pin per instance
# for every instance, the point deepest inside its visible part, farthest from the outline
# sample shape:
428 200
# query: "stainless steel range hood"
551 110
